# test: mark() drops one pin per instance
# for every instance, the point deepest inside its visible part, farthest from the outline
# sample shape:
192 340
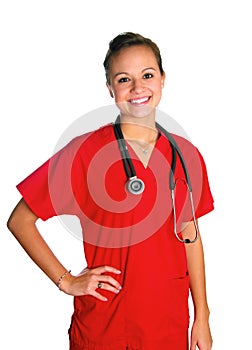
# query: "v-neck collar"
134 155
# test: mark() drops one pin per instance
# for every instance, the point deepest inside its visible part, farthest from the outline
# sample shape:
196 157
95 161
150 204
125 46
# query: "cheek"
120 94
157 88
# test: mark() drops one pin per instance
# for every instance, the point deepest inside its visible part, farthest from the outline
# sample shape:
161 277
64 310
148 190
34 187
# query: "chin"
136 112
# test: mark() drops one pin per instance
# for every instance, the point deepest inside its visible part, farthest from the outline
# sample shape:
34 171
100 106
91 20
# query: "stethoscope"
136 186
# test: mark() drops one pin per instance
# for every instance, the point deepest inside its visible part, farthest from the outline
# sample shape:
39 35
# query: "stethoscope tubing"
131 174
127 162
175 150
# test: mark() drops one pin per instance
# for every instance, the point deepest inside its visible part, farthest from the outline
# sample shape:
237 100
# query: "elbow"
21 216
12 223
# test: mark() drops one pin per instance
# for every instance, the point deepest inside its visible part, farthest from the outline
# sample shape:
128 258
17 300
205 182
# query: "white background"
51 73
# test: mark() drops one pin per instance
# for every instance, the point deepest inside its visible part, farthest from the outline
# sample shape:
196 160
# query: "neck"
142 129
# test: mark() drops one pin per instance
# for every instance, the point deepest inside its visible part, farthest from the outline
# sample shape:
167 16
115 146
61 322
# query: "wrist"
202 313
63 279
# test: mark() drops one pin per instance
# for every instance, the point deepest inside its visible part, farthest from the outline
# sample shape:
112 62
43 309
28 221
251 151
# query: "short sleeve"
201 195
200 199
206 201
50 190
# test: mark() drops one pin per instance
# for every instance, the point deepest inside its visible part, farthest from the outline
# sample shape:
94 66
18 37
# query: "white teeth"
140 100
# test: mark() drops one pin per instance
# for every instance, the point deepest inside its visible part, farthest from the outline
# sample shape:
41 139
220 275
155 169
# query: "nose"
137 86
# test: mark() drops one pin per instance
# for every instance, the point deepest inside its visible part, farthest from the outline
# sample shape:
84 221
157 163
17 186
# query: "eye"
123 80
148 76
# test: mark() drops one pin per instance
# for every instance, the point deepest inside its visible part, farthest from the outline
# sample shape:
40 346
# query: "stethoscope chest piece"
135 185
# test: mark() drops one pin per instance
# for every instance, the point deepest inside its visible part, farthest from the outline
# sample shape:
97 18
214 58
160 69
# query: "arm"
201 334
22 223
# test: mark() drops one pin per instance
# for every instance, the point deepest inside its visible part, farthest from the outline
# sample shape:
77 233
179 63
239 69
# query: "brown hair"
129 39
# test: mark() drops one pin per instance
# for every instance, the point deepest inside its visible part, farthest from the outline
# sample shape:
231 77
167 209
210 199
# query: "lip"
140 101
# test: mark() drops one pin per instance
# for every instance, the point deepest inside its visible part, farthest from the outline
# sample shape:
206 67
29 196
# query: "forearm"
196 269
22 224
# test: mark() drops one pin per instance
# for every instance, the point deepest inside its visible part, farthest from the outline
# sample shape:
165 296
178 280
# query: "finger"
95 278
98 296
193 345
108 287
103 269
109 280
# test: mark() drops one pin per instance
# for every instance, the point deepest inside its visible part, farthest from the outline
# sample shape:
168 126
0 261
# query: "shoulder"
181 143
189 151
187 147
89 141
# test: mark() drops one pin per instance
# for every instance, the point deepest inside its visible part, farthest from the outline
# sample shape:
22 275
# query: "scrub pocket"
178 300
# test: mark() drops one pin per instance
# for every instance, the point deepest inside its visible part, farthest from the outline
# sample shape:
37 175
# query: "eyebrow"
148 69
119 73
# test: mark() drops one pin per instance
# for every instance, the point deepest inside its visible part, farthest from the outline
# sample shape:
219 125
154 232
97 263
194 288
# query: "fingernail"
105 299
118 271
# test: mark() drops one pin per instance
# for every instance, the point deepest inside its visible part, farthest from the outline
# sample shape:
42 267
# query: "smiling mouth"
140 101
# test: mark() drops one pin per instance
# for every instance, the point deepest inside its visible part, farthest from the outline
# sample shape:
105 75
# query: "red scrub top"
131 233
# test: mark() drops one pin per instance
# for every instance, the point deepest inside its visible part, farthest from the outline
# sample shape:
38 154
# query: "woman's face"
135 81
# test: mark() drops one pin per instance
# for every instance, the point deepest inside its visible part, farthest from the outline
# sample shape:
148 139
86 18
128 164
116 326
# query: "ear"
110 90
163 80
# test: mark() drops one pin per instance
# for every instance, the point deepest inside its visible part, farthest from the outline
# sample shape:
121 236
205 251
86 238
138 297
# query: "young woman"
133 294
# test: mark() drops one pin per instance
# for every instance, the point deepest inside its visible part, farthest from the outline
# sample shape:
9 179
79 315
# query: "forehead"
134 57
